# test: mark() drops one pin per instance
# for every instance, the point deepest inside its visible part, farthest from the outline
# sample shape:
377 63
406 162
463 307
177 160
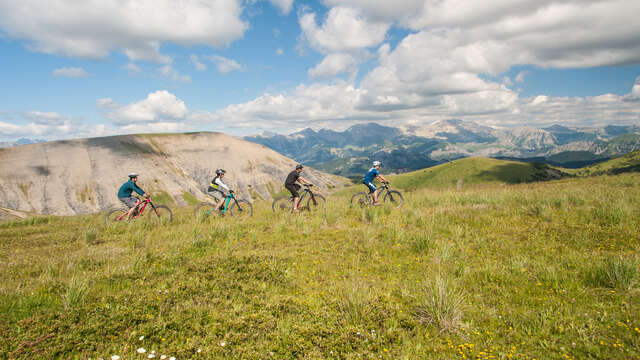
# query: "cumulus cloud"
344 30
138 28
158 107
73 72
47 125
334 64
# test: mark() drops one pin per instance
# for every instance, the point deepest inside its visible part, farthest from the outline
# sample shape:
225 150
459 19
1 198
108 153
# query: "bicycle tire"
395 198
359 199
246 210
203 210
113 214
320 203
161 214
282 204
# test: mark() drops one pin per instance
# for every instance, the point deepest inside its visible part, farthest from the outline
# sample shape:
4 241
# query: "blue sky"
73 70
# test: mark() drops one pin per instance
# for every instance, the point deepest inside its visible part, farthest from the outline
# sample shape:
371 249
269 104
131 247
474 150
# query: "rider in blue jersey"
374 173
125 194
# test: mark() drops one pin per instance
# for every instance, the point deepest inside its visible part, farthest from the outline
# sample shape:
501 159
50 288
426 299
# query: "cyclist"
217 186
290 184
125 194
374 173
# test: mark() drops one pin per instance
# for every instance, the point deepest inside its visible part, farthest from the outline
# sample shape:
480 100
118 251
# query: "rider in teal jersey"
125 194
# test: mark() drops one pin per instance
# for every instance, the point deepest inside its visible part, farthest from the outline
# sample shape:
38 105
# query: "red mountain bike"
157 213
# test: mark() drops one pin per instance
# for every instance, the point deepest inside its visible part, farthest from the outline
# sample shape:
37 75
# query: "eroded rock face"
82 176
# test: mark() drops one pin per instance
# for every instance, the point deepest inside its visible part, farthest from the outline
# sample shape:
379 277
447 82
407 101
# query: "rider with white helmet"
217 186
374 173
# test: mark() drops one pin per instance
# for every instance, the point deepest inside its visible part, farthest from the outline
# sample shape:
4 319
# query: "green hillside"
547 270
476 170
626 163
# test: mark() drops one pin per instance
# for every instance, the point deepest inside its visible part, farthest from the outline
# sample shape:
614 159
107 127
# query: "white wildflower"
115 357
163 357
141 351
141 337
223 343
199 351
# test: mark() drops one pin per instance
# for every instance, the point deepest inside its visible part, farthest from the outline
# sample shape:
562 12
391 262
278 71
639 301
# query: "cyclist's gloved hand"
231 191
310 185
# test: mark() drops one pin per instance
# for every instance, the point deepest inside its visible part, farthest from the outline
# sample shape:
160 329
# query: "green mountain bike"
392 197
232 206
315 202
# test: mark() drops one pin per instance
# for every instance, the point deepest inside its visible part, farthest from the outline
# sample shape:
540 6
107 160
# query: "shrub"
440 303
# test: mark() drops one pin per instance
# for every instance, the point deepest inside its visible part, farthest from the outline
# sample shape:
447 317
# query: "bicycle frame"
140 211
227 204
305 191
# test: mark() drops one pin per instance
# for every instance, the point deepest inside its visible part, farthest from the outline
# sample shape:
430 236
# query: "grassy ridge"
626 163
545 271
474 170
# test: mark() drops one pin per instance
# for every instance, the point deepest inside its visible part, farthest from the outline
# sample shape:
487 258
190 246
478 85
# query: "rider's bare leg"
295 203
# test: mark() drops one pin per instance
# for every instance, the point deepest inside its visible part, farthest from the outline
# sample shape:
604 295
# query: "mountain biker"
290 184
217 186
374 173
125 194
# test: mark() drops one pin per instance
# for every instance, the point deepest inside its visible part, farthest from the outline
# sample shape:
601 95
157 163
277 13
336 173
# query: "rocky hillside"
82 176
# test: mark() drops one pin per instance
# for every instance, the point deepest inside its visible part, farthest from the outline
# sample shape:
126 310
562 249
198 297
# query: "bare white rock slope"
83 176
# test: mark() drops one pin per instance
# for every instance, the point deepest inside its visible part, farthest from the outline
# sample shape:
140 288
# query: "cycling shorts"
216 192
293 189
130 201
371 187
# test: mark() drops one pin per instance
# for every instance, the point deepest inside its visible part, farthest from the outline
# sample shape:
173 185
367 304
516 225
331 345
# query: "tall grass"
545 270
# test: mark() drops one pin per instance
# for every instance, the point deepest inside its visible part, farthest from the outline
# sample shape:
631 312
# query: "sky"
76 69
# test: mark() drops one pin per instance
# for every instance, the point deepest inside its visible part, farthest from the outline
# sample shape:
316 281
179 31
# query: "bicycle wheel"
316 203
245 209
282 204
203 210
115 215
161 214
359 199
394 198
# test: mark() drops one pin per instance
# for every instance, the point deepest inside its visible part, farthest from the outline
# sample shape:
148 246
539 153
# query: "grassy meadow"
490 271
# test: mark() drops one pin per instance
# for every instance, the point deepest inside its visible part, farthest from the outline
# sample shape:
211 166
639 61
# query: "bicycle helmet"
133 175
298 167
220 171
377 163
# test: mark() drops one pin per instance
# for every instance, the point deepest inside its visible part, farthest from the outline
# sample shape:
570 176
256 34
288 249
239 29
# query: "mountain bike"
393 197
315 202
157 213
238 208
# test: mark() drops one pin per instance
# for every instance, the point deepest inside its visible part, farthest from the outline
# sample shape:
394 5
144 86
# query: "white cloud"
93 29
223 64
49 126
334 64
172 74
284 5
45 118
279 51
344 30
193 59
73 72
158 107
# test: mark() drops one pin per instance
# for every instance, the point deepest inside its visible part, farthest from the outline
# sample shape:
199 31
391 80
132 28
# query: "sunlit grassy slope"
626 163
474 170
544 270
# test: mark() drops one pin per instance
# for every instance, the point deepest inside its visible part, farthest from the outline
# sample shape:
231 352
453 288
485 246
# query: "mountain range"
412 147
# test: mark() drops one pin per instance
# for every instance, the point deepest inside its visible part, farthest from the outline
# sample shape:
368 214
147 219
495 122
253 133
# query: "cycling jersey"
217 184
127 189
292 178
370 175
